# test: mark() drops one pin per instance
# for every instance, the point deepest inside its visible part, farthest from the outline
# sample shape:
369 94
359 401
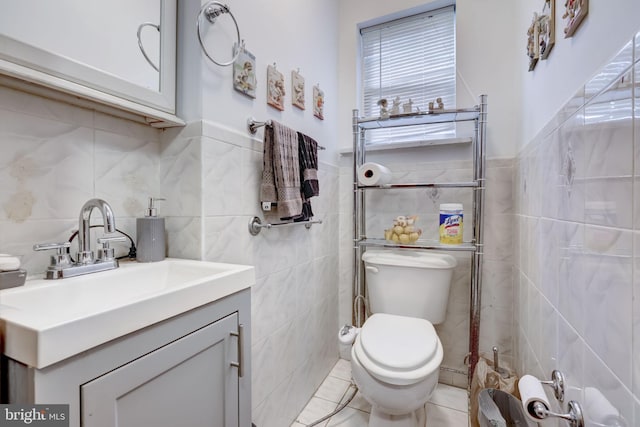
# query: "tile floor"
447 407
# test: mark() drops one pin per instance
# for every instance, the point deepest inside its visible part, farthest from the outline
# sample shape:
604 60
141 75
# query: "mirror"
92 49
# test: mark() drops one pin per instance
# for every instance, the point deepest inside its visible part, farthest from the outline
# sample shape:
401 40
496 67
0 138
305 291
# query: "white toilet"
395 360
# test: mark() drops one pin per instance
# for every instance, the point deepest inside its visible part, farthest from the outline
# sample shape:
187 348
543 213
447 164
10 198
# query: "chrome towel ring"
144 52
211 11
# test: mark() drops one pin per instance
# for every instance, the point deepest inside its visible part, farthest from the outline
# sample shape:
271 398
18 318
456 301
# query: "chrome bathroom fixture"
211 11
496 364
557 384
61 264
253 125
141 46
574 415
256 224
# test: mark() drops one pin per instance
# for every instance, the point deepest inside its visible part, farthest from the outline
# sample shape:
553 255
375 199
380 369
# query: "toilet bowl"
395 362
396 356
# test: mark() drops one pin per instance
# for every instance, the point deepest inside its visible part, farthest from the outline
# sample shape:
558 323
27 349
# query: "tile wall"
54 157
577 222
213 177
384 205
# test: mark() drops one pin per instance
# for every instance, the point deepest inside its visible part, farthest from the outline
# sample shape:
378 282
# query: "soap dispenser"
151 240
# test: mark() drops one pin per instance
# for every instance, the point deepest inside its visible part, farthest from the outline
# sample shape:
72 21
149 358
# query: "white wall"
572 61
292 34
486 62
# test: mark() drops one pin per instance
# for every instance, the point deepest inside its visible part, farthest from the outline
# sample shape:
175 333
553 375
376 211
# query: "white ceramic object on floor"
396 358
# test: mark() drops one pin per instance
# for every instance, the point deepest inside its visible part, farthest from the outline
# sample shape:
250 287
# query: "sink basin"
47 321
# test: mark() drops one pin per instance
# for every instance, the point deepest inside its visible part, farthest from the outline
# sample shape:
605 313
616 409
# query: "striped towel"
308 150
308 158
281 170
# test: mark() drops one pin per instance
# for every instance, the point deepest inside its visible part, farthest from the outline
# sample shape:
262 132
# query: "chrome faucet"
85 254
61 265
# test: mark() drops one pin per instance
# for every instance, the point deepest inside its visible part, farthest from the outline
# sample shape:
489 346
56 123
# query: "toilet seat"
397 349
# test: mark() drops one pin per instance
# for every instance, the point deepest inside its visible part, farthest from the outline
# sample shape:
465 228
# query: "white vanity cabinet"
189 370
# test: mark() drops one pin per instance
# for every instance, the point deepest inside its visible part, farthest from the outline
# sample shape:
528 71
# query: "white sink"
47 321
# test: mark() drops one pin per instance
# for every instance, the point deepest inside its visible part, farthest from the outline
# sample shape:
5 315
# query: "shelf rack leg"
359 306
478 231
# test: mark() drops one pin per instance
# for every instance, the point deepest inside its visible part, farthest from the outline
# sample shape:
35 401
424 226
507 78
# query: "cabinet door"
189 382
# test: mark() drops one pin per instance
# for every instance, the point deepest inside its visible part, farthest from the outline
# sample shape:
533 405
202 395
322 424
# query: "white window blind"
410 58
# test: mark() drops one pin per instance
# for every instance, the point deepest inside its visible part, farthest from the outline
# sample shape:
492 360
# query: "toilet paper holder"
574 416
540 410
557 384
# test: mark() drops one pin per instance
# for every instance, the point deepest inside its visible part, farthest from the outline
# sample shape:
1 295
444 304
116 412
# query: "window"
410 58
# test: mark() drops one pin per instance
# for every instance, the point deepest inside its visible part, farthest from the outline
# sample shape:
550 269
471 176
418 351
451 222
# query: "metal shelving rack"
478 114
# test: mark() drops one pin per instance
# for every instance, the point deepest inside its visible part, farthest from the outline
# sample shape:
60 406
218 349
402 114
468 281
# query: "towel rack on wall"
255 224
211 11
253 125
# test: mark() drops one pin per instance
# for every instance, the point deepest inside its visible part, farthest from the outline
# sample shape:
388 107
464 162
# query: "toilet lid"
398 343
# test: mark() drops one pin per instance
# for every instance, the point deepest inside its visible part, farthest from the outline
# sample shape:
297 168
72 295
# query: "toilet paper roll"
9 263
531 391
373 174
347 334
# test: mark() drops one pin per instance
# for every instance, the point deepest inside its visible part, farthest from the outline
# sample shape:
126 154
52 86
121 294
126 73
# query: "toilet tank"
409 283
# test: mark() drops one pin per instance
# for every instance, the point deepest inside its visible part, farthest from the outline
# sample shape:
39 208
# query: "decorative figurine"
407 106
384 113
395 110
437 105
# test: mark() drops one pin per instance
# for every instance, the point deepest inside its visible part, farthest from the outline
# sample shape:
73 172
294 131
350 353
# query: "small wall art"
275 88
318 102
297 89
533 48
574 13
547 30
244 73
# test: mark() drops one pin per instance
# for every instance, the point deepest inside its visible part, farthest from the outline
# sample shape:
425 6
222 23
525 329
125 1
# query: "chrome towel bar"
256 224
253 125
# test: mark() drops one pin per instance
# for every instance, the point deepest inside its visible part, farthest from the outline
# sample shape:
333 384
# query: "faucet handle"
61 259
107 253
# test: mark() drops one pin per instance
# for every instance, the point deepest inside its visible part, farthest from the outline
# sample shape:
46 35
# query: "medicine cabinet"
117 56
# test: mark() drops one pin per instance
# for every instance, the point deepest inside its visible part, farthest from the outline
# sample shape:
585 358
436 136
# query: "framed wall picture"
297 89
244 73
574 13
533 47
547 30
318 102
275 88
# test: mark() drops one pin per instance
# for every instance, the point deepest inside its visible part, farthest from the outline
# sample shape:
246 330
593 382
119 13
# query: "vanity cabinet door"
189 382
